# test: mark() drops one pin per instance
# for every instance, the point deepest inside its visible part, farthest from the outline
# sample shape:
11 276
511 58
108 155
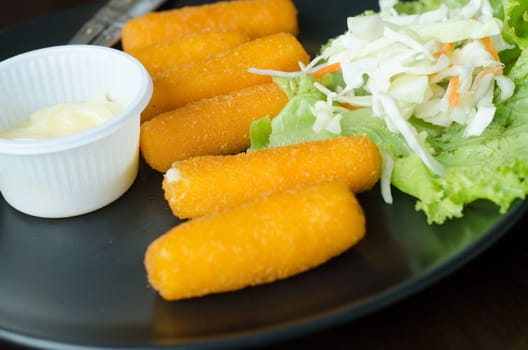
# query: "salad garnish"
434 85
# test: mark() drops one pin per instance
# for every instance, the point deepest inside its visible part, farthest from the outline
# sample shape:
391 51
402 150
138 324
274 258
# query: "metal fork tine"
112 33
105 16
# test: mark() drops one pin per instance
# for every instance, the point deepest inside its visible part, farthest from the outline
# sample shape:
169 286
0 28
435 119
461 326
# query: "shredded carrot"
331 68
492 50
446 49
454 95
348 106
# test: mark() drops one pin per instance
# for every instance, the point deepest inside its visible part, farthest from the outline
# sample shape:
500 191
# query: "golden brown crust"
255 17
213 183
215 126
272 238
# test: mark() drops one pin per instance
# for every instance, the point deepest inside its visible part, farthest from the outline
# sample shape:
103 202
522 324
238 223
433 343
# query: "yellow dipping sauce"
63 119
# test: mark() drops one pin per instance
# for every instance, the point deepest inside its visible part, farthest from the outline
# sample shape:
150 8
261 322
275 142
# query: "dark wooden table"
483 305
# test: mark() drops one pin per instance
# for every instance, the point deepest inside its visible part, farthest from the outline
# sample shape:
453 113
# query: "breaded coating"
272 238
188 48
202 185
214 126
255 17
224 72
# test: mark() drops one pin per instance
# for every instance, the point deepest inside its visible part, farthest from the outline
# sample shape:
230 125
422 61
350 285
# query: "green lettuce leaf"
259 133
493 166
516 22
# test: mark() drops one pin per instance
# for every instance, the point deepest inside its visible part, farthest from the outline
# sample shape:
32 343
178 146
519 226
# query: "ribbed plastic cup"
82 172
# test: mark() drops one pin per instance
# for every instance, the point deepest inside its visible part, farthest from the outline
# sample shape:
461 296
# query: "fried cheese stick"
272 238
225 72
255 17
187 49
202 185
214 126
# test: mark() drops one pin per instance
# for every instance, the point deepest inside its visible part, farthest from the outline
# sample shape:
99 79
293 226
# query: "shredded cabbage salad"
420 82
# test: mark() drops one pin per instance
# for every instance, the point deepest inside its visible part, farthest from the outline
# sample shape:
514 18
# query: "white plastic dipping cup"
82 172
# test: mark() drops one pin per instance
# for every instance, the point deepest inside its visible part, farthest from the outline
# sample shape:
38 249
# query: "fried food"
188 48
272 238
225 72
214 126
202 185
255 17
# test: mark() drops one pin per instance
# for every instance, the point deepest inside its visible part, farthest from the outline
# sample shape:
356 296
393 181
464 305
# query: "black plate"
80 282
